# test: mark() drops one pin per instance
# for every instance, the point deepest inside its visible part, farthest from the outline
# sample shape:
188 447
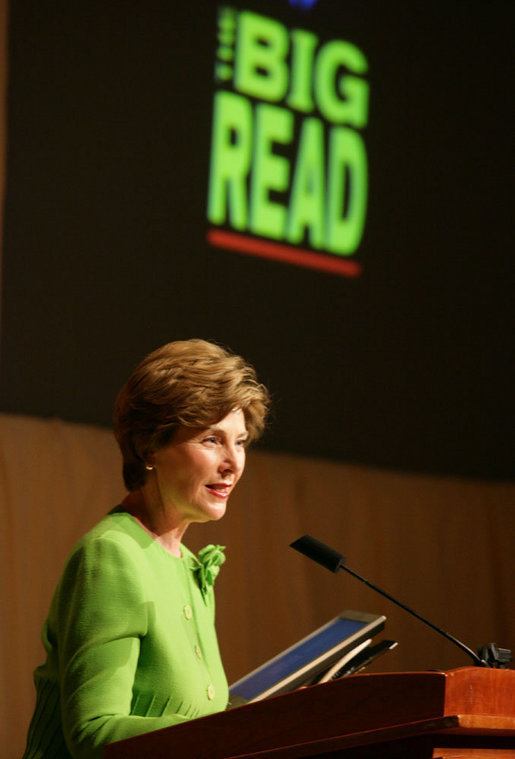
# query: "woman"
130 639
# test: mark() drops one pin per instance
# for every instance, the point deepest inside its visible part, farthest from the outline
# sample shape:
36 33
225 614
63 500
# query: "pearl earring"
148 467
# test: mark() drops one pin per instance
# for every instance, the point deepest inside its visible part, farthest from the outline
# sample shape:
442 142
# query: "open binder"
337 648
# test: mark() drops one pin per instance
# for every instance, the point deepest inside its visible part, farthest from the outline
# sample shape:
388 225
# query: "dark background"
109 123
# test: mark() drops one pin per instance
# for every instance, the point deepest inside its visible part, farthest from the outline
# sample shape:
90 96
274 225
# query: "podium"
466 712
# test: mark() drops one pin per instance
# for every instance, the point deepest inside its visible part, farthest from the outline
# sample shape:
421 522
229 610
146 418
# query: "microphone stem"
479 662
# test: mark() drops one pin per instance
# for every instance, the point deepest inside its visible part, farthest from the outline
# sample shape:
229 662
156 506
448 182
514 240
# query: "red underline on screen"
252 246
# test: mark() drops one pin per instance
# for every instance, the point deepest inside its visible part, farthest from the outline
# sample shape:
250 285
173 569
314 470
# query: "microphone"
334 561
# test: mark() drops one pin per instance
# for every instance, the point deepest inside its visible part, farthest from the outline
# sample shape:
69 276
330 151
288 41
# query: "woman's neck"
153 521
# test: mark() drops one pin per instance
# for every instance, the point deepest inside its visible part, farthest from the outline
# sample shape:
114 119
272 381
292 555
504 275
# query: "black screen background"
104 259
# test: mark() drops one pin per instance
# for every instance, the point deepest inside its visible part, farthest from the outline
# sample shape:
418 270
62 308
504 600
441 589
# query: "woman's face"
197 471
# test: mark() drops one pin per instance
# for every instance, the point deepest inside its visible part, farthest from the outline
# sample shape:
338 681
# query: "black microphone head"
319 552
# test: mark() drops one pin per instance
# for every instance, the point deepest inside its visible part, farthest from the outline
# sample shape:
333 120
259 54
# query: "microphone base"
492 656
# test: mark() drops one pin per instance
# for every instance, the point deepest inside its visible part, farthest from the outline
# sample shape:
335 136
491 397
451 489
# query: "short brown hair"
187 383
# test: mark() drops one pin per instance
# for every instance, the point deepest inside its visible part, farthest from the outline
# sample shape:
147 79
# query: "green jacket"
130 642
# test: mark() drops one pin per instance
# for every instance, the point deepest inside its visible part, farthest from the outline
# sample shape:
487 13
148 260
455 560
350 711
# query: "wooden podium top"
341 714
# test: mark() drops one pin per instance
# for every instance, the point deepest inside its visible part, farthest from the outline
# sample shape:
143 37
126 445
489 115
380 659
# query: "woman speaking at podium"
130 637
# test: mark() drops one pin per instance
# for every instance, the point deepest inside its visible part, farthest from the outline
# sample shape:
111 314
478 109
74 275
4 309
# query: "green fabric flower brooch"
210 560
